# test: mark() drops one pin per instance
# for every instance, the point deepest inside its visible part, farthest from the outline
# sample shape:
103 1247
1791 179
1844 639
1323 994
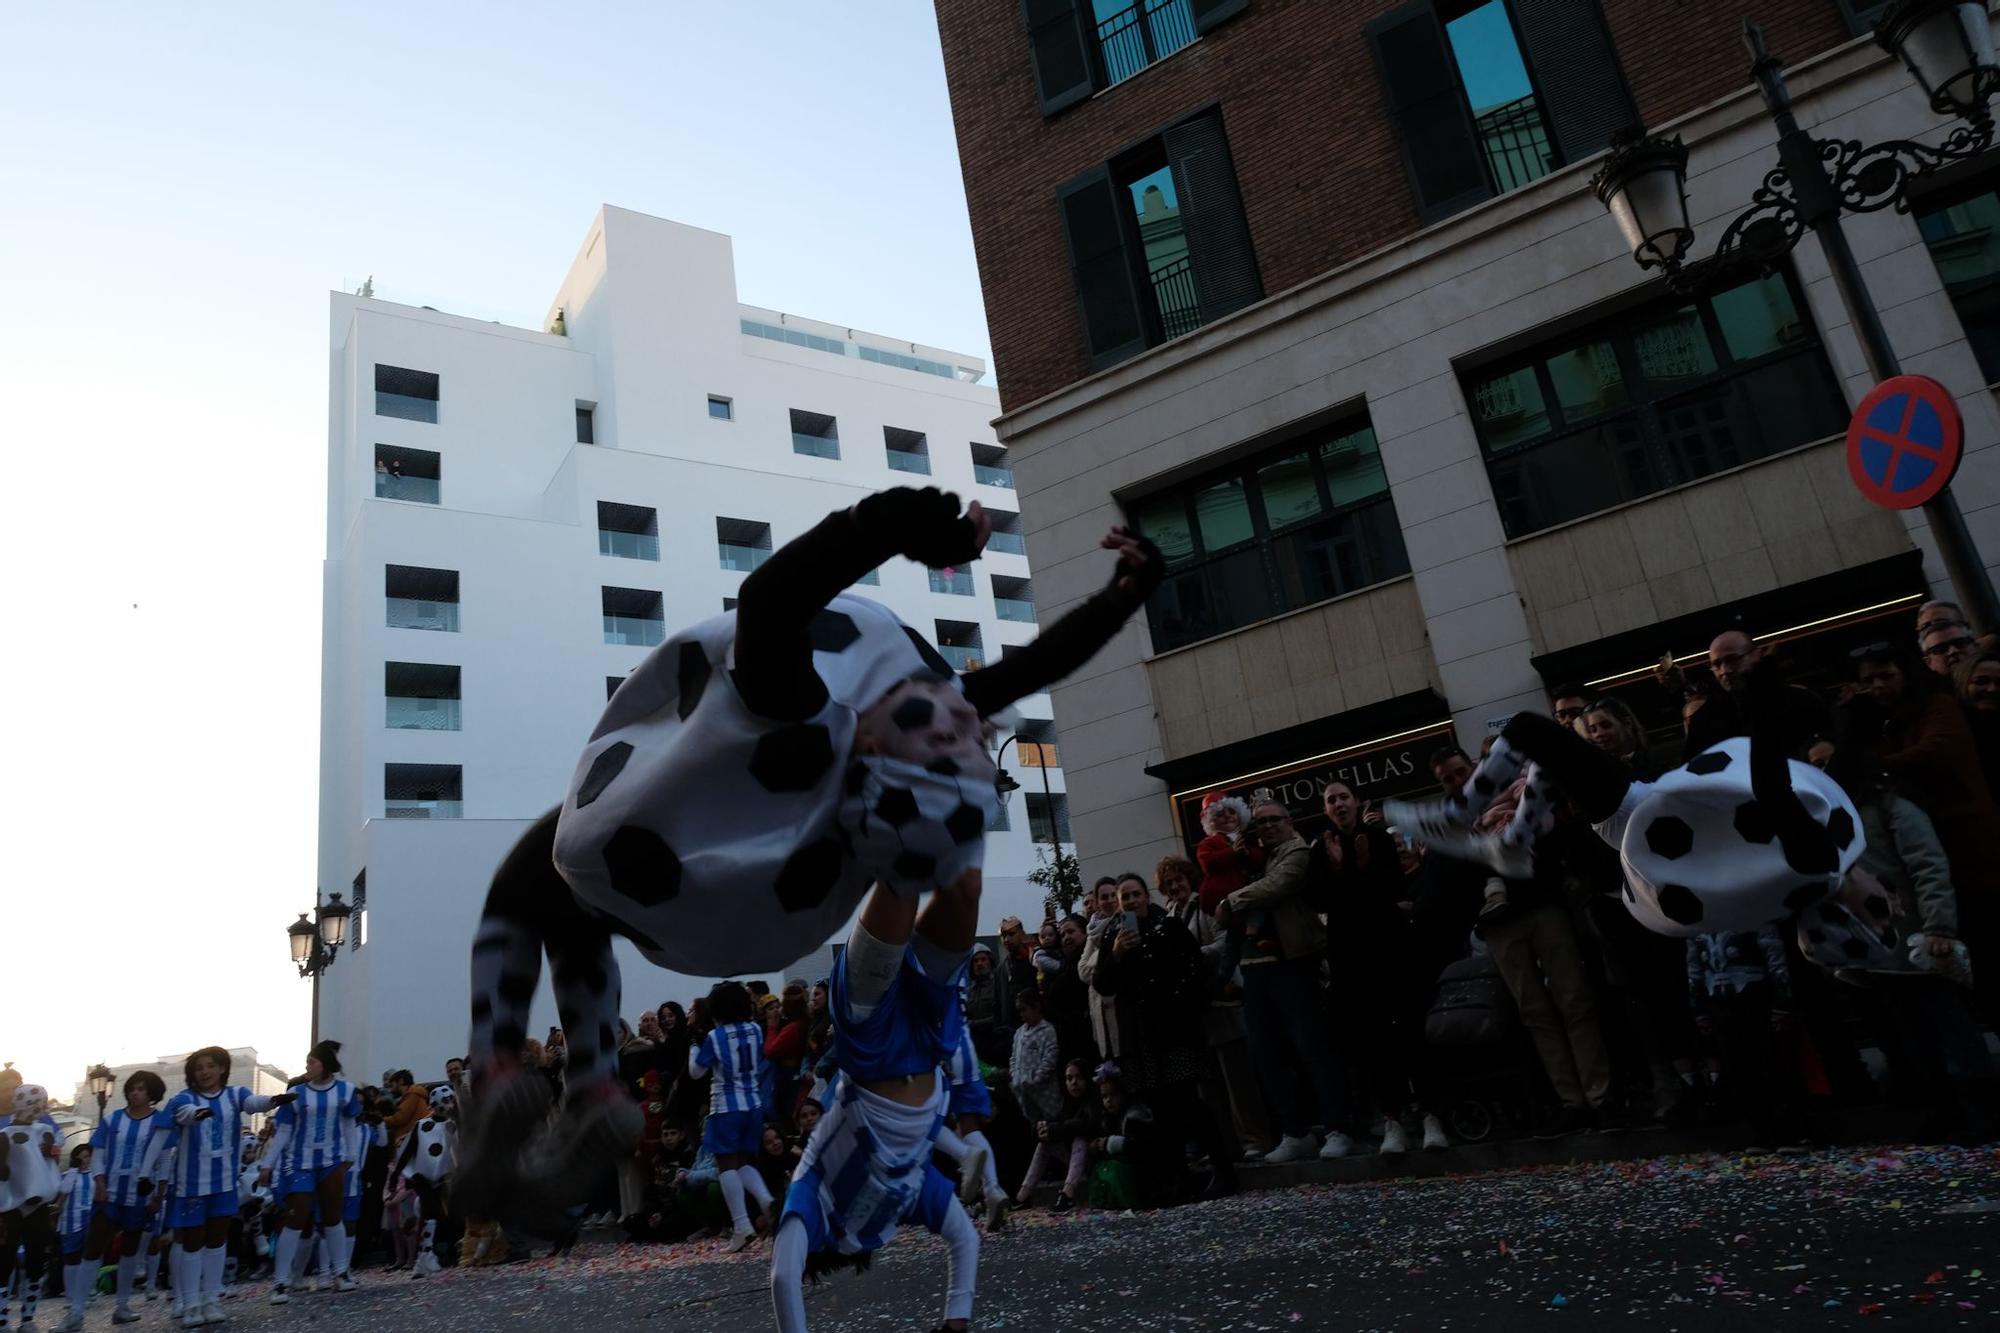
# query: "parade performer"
78 1197
968 1106
731 1058
897 1017
126 1158
307 1156
429 1153
30 1187
747 784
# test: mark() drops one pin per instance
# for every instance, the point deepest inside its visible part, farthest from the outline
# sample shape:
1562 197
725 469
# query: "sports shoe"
591 1132
1062 1204
511 1102
1395 1141
211 1313
72 1323
1253 1154
1337 1145
125 1316
1293 1148
1442 828
280 1295
194 1318
972 1174
996 1210
737 1240
345 1283
1434 1139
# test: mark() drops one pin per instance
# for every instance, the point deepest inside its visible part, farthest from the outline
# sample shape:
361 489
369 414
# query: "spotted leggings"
530 909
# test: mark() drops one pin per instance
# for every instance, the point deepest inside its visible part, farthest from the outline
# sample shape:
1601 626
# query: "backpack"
1471 1006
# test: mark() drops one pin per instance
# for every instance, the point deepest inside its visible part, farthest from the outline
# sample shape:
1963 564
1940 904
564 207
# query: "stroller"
1490 1078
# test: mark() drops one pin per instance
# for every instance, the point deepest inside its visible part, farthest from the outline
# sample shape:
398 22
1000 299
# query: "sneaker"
510 1104
1253 1154
72 1323
996 1210
972 1174
1395 1140
1337 1145
124 1316
590 1133
1439 825
1434 1139
1062 1204
737 1241
1611 1119
211 1313
345 1283
1293 1148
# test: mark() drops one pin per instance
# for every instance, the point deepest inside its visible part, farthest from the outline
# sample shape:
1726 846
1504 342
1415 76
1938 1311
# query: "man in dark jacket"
1732 658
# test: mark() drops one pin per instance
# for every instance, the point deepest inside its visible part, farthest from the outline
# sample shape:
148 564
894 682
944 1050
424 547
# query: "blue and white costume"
126 1152
360 1138
732 1058
78 1193
969 1094
207 1151
310 1142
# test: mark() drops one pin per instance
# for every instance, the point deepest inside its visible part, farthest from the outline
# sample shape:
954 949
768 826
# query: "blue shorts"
739 1132
307 1181
350 1212
121 1216
972 1098
72 1244
195 1209
933 1204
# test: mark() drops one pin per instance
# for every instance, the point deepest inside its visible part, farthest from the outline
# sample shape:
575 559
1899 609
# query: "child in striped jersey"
968 1108
307 1156
731 1057
208 1127
128 1161
77 1195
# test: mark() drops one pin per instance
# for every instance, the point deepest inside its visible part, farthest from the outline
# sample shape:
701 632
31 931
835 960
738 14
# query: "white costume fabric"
34 1179
433 1149
714 837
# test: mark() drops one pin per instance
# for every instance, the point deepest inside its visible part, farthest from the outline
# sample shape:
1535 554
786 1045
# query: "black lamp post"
316 943
100 1087
1948 47
1006 786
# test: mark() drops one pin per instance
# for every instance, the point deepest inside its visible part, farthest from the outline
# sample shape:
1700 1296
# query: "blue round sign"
1904 441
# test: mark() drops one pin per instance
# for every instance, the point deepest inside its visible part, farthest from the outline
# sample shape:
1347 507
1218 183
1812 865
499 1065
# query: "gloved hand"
925 525
1140 569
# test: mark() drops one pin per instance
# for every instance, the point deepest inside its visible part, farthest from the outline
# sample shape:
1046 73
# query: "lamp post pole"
1007 784
316 943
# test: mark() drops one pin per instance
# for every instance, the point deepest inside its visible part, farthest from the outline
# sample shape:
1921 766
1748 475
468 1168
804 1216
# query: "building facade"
245 1071
515 516
1418 437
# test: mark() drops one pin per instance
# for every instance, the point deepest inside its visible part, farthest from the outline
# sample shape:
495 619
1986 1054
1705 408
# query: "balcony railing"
420 490
962 659
407 714
957 582
903 461
1014 608
628 545
1134 38
634 631
817 446
1008 543
992 476
408 613
401 809
407 408
742 558
1179 303
1515 138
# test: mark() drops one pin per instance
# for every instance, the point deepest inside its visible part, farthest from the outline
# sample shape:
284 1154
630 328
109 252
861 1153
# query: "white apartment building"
515 516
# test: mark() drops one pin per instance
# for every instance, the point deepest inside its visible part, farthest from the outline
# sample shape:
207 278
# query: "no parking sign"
1904 441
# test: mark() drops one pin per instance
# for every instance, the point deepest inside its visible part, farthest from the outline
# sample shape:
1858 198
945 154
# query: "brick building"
1315 294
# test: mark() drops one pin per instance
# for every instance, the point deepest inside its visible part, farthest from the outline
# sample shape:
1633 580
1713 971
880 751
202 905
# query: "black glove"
924 525
1145 572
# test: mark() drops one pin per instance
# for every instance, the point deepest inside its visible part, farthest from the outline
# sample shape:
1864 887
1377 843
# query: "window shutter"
1576 70
1218 238
1421 87
1102 262
1056 47
1861 16
1208 13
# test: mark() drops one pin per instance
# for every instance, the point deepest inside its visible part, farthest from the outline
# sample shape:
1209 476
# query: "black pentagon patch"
1877 905
944 766
914 865
1841 825
428 1126
897 807
1753 824
1816 857
809 876
1854 949
608 765
832 631
914 713
1805 895
1670 837
932 657
516 988
792 758
1713 761
1678 904
965 823
437 1150
1483 785
643 868
693 671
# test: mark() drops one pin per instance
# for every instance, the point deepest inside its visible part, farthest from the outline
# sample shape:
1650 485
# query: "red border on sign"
1919 388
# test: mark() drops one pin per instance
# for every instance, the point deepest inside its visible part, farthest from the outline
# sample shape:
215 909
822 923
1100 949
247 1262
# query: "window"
796 337
815 435
722 409
909 451
423 791
956 582
902 362
420 598
634 617
1036 743
1862 15
1962 231
1649 399
728 604
631 532
1291 525
1013 599
1157 241
743 543
1048 817
420 696
1081 46
873 578
611 684
407 474
990 467
586 424
959 641
409 394
1006 538
1487 95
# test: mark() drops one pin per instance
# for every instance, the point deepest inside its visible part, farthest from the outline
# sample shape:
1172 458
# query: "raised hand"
1140 564
925 525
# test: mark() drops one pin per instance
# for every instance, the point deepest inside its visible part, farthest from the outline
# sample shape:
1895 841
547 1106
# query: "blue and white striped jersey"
208 1150
869 1156
79 1194
360 1138
961 1067
311 1132
125 1149
733 1056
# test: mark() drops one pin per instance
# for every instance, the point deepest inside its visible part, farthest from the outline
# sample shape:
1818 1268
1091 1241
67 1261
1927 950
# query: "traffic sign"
1905 441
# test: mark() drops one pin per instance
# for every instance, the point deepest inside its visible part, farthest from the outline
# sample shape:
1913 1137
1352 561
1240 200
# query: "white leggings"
788 1269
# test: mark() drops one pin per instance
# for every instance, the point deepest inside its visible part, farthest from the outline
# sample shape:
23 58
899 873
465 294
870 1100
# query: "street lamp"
1006 786
316 943
100 1087
1948 47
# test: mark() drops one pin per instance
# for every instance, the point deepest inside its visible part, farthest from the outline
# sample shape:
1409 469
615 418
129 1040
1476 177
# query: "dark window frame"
1066 54
1948 191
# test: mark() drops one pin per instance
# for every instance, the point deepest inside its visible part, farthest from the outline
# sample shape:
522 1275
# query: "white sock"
187 1277
128 1273
288 1253
229 1272
788 1270
153 1258
430 1236
961 1262
732 1194
336 1248
977 1139
211 1272
73 1284
753 1182
951 1145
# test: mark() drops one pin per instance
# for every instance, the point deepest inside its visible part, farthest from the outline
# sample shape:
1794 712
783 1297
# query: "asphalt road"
1706 1244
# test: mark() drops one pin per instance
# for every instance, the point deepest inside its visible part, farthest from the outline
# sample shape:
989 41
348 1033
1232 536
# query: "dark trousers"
1285 1012
1946 1050
1762 1077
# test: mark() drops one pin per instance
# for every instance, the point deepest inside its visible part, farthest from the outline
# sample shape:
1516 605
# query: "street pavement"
1708 1243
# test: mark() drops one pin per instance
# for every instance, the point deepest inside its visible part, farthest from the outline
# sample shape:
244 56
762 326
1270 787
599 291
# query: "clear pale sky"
180 186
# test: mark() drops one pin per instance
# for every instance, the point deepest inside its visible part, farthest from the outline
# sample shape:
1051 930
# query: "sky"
180 187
